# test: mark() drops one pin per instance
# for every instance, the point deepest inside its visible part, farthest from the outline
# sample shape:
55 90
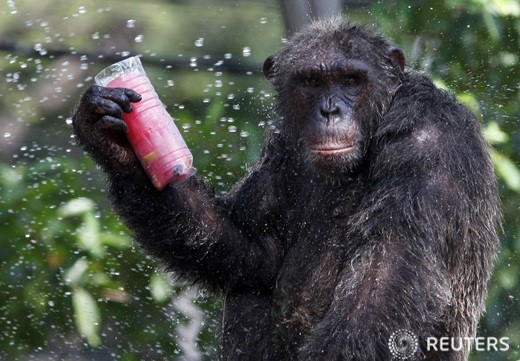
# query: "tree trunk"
298 13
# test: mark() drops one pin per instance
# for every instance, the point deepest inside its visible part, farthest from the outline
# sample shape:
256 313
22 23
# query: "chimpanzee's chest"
317 242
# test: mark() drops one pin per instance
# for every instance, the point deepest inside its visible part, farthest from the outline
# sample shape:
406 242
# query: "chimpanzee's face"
332 93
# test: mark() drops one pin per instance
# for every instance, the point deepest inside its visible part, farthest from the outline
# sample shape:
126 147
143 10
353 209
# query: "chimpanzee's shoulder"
418 89
419 101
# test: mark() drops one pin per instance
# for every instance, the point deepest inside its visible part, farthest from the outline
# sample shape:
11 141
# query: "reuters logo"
403 344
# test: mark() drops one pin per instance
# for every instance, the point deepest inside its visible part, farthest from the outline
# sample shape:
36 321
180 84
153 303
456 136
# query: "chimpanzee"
372 209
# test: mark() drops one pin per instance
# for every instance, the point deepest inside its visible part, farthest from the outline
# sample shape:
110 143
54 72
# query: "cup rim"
113 71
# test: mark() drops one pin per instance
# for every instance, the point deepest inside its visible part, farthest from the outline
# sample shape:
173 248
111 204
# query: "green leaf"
87 316
160 287
506 7
507 170
118 241
76 207
490 23
494 134
88 236
73 275
216 110
101 279
440 83
469 100
508 277
10 177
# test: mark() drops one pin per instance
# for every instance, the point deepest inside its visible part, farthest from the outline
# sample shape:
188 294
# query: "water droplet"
199 42
12 7
139 38
263 20
246 51
130 23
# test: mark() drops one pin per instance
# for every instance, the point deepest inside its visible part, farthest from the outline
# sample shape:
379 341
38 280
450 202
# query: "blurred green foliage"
70 270
72 282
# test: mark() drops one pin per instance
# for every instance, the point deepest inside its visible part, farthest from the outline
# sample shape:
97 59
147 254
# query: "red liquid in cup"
153 135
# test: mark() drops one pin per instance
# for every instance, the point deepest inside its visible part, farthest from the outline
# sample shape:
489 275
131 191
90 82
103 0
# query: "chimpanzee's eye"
351 80
311 82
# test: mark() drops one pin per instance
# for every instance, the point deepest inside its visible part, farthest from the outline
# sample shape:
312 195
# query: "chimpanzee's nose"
329 108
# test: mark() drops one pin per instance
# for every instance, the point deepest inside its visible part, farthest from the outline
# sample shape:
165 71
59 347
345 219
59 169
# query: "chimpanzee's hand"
99 127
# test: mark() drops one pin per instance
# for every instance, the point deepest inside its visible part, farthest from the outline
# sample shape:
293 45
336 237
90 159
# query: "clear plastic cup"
151 131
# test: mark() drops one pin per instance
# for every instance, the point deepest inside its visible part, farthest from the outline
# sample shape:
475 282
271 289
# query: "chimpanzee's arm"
200 236
221 242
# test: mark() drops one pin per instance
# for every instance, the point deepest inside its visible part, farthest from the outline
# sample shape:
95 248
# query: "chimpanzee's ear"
396 57
269 67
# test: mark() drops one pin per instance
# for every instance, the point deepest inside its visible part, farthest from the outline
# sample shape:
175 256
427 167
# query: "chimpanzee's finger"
122 96
117 95
131 94
104 106
112 123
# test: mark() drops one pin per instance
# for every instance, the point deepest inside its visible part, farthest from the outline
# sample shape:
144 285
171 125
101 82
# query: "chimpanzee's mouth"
332 150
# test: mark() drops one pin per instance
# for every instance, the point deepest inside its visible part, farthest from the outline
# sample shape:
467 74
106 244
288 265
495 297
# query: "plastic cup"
155 139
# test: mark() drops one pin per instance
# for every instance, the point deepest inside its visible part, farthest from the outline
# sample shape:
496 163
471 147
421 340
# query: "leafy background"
72 283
